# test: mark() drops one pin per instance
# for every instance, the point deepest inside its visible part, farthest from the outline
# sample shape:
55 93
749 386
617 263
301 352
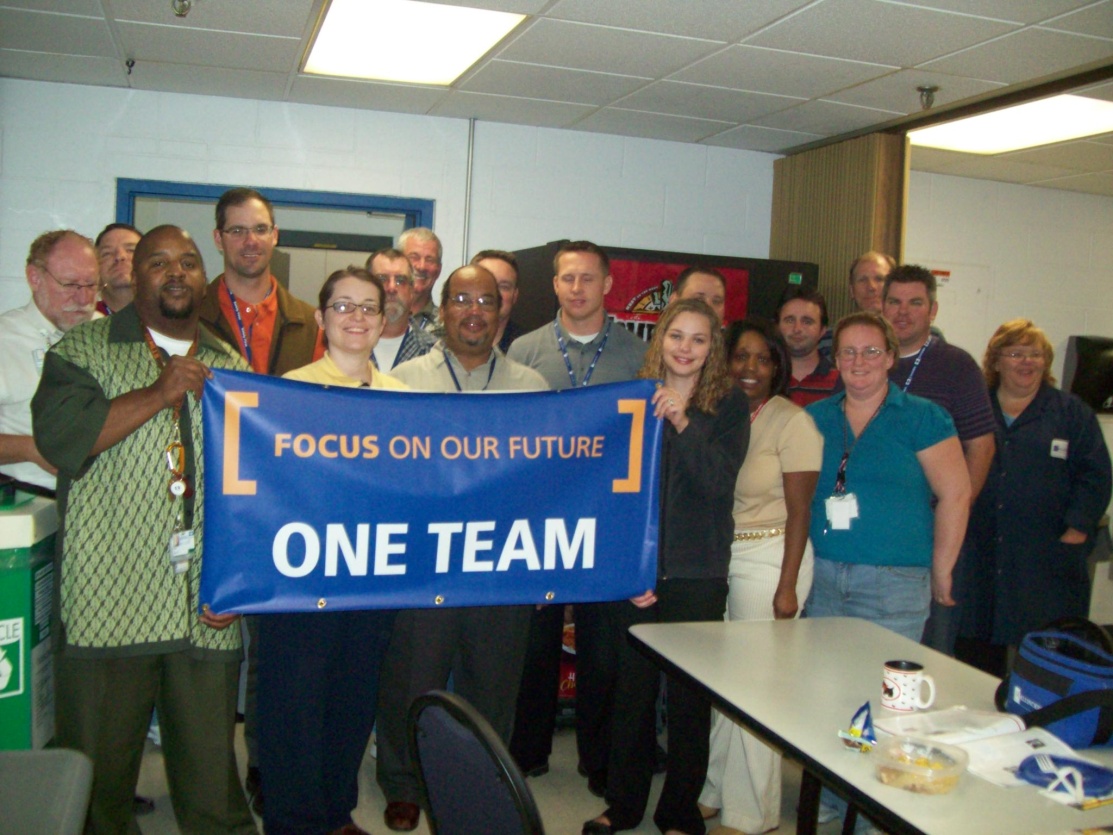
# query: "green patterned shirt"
116 593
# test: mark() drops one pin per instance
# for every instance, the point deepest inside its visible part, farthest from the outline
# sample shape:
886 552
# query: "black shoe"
594 827
253 788
142 805
537 771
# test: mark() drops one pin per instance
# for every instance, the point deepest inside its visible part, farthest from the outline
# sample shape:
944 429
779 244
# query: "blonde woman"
705 436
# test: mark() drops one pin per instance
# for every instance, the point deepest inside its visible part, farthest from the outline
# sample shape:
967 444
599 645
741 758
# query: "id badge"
840 510
181 550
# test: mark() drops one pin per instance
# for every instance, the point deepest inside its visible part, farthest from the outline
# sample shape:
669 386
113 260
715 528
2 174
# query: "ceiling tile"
145 41
257 17
898 92
55 33
754 138
1104 138
776 71
719 20
39 66
878 32
365 95
649 125
704 102
1100 91
526 7
1018 11
1028 54
1095 20
826 118
600 49
1079 156
1088 183
209 81
89 8
934 160
531 81
464 105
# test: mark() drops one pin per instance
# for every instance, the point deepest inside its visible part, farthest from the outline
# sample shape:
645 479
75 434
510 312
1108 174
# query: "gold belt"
749 536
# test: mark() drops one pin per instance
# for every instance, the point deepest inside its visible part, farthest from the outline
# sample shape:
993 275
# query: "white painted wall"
1013 251
63 146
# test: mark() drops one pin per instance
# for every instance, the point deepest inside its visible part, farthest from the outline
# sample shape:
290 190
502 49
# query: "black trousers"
317 690
531 743
634 686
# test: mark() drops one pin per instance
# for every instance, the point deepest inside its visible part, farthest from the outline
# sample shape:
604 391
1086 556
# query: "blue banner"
320 498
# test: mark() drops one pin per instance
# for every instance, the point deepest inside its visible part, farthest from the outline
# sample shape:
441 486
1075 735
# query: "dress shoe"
402 816
538 771
142 805
253 788
594 827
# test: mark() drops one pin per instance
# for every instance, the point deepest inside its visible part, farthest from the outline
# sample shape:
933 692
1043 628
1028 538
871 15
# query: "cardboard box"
27 531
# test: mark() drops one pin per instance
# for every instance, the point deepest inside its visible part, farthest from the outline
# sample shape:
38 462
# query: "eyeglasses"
259 231
344 308
1035 356
68 286
400 280
764 360
870 354
463 301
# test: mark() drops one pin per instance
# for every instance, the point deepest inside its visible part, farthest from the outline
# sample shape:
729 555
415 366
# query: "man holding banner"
118 412
490 640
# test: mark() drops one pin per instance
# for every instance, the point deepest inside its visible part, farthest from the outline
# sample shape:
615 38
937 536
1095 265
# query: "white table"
796 683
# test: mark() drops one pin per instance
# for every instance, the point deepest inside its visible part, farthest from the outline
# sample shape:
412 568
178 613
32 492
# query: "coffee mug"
902 685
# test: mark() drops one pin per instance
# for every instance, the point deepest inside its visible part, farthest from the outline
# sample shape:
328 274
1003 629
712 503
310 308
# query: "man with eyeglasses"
489 640
947 375
582 346
62 274
401 339
425 252
246 306
274 332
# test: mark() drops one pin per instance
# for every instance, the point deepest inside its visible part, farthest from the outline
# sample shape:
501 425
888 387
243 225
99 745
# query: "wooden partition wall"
833 203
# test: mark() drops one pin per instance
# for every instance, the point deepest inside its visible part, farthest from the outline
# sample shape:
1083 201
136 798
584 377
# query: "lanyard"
757 411
245 335
568 362
175 450
915 365
456 380
847 447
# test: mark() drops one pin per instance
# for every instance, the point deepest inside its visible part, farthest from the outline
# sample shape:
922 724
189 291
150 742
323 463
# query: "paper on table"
953 725
997 758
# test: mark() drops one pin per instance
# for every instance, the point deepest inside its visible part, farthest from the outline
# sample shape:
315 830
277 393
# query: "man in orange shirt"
245 305
275 332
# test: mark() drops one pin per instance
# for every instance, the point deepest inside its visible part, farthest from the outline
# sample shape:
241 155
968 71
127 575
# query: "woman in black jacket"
705 439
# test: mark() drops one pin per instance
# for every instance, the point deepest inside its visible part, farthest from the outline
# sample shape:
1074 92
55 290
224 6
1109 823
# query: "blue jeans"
897 597
894 596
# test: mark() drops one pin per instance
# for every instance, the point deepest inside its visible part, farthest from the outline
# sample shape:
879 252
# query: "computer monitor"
1088 371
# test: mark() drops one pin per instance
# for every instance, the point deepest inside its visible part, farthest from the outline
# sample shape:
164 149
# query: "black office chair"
469 781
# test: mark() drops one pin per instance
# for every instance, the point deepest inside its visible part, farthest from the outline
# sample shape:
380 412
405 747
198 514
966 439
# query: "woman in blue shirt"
882 550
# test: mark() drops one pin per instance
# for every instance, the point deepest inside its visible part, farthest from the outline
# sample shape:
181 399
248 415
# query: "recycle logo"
11 654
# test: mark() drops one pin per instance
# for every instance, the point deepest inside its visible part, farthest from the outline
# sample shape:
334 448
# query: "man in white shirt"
62 273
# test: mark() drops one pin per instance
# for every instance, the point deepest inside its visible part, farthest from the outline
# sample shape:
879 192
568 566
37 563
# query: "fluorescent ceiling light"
1042 122
404 40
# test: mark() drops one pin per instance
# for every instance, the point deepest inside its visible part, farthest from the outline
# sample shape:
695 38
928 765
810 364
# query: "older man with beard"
118 412
62 274
401 339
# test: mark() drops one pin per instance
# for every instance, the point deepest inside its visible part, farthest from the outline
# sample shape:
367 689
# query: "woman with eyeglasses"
770 563
705 437
1033 524
882 550
318 678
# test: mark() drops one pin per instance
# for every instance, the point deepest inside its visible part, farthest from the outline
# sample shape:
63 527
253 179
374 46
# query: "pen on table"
1087 805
